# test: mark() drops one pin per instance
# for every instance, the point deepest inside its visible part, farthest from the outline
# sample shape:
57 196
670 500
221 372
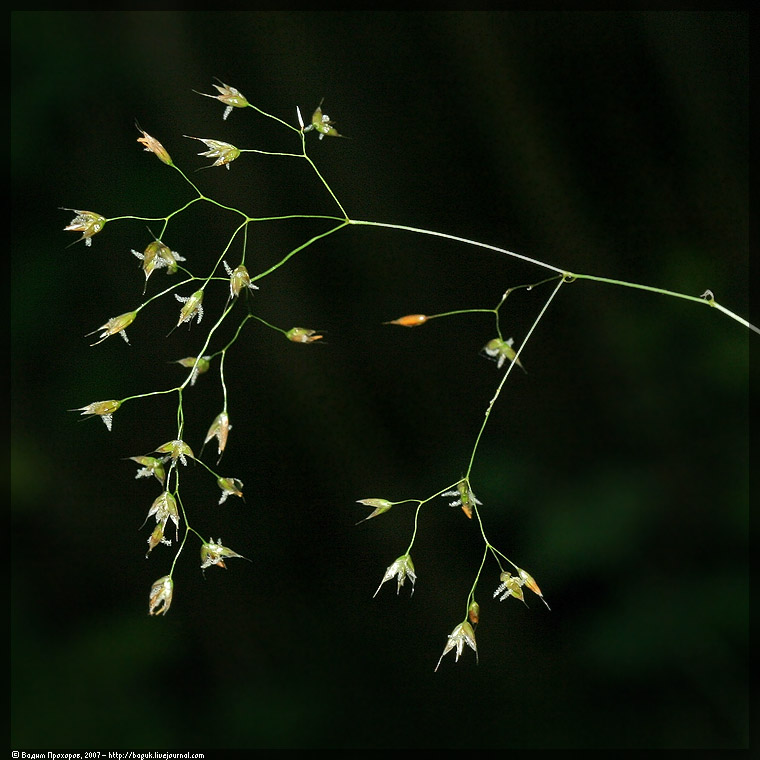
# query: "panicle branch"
236 296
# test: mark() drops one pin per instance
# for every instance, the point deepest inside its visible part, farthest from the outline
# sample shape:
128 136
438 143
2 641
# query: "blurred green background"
616 471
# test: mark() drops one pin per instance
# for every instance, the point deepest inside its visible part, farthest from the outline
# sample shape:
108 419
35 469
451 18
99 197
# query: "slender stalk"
706 298
506 375
296 250
457 239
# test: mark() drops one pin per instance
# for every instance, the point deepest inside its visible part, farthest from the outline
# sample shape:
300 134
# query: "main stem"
459 240
706 298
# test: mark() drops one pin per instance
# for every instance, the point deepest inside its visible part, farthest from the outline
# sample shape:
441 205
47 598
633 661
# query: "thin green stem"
706 298
506 375
284 217
264 322
148 395
327 187
184 538
498 554
457 239
414 531
271 153
461 311
244 227
237 332
223 381
296 250
274 118
207 340
471 595
165 291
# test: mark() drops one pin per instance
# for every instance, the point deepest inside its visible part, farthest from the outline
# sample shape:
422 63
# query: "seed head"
176 449
230 487
154 146
401 569
527 579
410 320
322 123
461 635
86 222
510 586
198 366
231 98
164 508
114 326
214 553
193 308
466 498
220 429
239 279
223 152
160 598
379 505
302 335
150 466
157 255
103 409
500 351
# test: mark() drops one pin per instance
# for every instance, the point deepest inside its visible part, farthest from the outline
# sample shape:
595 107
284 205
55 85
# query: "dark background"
616 471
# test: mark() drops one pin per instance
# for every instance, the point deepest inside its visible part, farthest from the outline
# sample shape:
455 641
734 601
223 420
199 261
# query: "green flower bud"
229 486
193 308
500 350
322 123
157 255
380 506
510 586
176 450
223 152
461 635
401 569
198 365
302 335
86 222
154 146
214 553
150 467
231 98
164 508
103 409
239 279
115 325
